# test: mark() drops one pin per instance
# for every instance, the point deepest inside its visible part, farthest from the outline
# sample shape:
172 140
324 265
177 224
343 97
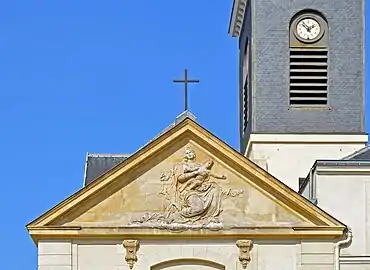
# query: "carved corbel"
245 247
131 246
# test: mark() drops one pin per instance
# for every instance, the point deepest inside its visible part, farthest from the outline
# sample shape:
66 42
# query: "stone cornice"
354 259
253 232
237 17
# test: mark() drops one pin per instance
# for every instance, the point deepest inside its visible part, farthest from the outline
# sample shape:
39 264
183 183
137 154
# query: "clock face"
308 29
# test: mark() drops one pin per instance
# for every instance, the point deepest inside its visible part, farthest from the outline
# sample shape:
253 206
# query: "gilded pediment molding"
186 183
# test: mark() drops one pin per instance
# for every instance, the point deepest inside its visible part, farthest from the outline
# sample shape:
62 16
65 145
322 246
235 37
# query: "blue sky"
96 76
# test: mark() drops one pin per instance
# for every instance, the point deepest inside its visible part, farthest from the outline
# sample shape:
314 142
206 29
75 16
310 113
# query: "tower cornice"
237 17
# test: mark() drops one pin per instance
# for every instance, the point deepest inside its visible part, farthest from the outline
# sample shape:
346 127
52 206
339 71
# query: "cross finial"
186 81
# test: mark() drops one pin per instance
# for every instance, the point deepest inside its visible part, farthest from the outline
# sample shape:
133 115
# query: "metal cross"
186 81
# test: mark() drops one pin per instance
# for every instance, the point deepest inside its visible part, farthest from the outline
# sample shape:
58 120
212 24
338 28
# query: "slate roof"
362 154
98 164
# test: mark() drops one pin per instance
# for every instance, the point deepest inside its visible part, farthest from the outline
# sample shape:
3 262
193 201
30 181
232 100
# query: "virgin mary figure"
197 196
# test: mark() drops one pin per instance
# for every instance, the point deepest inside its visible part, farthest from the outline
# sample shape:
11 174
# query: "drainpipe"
337 248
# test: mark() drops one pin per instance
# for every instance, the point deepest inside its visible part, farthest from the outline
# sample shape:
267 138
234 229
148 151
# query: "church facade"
296 195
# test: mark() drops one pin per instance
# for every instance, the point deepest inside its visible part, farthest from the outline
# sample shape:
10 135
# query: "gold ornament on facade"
131 247
245 247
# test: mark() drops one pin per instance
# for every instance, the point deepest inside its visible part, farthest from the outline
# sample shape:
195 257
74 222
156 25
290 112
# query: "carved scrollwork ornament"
131 246
245 247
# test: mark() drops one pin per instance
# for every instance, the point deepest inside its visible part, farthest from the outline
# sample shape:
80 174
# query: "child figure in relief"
201 173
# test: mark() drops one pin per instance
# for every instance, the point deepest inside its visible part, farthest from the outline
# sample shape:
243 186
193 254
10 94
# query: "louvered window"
308 77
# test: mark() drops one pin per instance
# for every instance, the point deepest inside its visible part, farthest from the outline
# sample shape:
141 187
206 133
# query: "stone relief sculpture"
131 247
245 247
194 197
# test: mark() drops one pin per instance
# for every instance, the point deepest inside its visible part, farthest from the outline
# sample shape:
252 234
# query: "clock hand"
311 27
305 26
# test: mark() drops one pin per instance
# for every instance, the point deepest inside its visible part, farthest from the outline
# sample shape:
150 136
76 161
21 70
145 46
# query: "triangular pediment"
185 181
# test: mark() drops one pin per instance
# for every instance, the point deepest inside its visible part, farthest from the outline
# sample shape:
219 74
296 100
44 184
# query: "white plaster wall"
110 255
276 255
289 157
98 255
355 267
347 197
317 255
221 252
265 255
54 255
355 263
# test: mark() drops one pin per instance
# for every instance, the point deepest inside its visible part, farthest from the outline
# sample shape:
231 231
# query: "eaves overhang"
340 163
237 17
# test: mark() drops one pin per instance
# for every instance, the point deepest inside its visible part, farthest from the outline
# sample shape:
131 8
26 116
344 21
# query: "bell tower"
301 82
